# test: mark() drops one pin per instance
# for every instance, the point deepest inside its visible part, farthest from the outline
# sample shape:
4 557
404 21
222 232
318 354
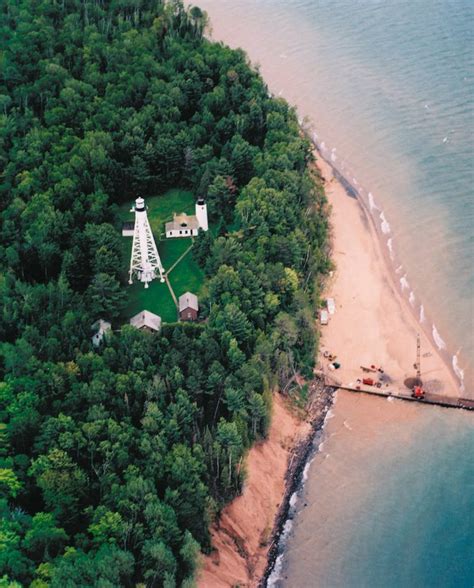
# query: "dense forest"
114 461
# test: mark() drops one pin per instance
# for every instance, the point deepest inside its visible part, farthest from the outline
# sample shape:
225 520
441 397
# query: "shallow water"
389 501
388 88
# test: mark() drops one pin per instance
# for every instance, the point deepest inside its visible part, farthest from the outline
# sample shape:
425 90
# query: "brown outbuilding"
188 307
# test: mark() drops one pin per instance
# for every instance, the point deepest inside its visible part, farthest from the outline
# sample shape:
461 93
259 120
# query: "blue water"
388 88
390 502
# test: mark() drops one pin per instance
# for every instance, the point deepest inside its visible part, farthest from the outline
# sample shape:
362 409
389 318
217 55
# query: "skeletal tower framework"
145 260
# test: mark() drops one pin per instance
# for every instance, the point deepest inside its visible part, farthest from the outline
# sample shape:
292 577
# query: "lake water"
388 89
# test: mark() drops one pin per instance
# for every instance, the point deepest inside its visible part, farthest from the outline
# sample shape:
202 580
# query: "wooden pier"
429 398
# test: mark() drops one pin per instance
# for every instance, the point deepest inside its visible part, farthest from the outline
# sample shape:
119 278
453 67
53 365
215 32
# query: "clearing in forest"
185 275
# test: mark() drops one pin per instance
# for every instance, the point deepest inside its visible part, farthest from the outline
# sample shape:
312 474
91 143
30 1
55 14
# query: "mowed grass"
156 298
185 276
160 209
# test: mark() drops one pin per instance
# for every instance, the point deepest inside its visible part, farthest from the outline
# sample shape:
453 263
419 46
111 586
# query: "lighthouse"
145 261
201 213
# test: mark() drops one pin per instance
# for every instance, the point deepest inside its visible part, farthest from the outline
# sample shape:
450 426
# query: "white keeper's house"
186 225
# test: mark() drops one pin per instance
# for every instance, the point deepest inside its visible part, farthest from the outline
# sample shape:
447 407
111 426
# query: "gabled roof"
188 300
145 318
182 221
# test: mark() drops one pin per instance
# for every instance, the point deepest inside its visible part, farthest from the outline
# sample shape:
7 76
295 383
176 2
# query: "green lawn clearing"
156 298
185 276
160 209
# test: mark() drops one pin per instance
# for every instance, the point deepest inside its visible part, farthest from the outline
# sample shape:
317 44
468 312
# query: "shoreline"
459 385
321 403
244 531
390 343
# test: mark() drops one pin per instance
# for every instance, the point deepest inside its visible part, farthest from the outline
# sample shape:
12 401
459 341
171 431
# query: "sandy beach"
372 323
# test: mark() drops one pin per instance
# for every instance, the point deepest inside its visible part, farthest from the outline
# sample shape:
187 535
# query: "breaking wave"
390 248
440 344
384 225
404 283
422 314
458 370
372 204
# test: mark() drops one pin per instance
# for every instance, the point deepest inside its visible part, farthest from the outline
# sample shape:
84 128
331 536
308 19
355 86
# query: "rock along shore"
320 401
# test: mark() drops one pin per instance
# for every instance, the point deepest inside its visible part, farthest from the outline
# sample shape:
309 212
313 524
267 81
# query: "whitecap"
384 224
445 140
306 471
458 371
333 154
411 298
390 398
323 146
422 314
404 282
275 576
293 500
348 427
437 338
355 181
390 248
283 55
399 269
372 204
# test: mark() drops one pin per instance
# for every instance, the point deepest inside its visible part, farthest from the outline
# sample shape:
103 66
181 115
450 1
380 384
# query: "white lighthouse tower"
145 261
201 213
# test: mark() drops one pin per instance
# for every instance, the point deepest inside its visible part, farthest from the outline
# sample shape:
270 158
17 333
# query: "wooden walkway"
433 399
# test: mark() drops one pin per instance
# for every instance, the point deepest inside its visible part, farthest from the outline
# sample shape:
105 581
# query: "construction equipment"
418 391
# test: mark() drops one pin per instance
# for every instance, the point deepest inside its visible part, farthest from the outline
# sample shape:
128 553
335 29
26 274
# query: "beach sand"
372 324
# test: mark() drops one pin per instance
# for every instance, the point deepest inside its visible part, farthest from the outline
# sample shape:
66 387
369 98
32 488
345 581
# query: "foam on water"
372 204
422 314
440 344
412 298
293 500
458 371
384 225
404 283
390 248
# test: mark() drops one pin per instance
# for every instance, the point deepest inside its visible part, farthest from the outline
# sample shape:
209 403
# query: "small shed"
100 328
188 307
324 317
331 305
146 321
128 228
